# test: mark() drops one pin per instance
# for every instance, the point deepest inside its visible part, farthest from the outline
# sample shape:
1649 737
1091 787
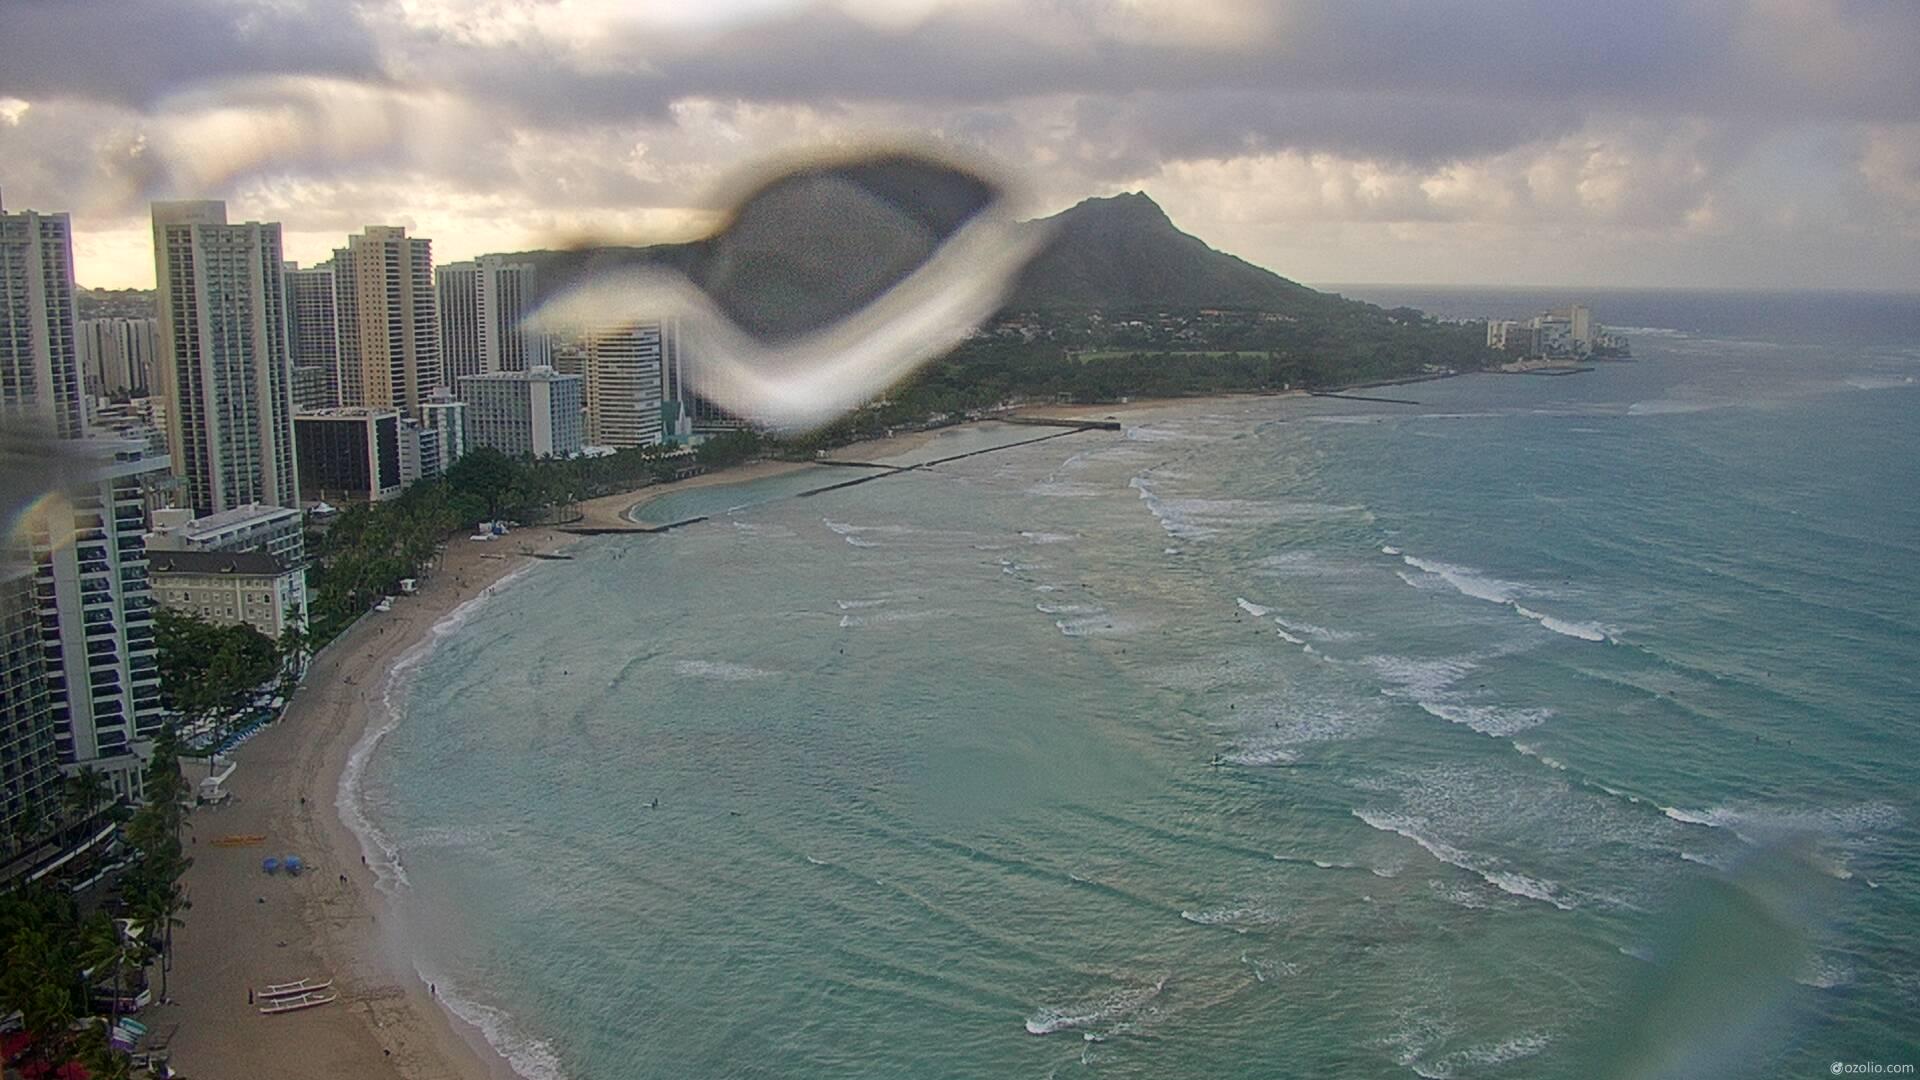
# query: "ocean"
1550 727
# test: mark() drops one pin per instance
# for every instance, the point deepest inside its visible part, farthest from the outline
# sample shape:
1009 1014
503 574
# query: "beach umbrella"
270 864
292 863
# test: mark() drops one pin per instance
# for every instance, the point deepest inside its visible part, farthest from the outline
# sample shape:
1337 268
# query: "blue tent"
269 864
292 863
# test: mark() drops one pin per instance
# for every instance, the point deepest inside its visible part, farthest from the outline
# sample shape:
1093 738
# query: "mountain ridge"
1105 253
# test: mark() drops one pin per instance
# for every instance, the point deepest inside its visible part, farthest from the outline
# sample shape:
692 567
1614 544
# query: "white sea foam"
1261 757
1062 489
889 618
1495 720
1252 608
1035 537
382 854
1476 1058
1468 581
1825 973
1233 917
1389 549
1583 631
1289 637
1113 1005
1069 609
1320 633
1488 868
1535 753
526 1055
720 671
1099 625
855 605
1757 824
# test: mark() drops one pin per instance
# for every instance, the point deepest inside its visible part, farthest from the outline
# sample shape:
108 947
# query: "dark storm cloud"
132 52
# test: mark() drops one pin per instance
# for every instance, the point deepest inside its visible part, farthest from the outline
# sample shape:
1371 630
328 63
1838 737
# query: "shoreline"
292 787
296 786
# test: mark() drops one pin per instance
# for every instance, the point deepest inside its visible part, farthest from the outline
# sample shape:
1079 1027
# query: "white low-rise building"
276 530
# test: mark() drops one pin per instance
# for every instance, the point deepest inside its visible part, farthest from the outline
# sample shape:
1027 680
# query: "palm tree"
158 908
107 945
86 790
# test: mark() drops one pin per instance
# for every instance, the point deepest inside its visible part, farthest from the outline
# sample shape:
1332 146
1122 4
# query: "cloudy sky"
1627 142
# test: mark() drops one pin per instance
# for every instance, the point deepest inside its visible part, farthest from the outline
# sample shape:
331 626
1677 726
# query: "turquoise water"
1565 729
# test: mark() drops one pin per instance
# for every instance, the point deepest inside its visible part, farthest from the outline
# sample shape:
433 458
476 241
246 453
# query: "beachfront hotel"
533 413
624 387
223 365
87 543
40 371
263 591
384 309
276 530
29 768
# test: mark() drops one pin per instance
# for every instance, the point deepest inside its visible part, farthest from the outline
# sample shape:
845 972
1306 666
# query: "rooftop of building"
534 374
345 412
235 563
228 519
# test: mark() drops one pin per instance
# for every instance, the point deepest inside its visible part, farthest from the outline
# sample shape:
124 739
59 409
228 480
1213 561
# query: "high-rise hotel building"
40 372
224 366
483 308
313 336
86 539
389 332
624 385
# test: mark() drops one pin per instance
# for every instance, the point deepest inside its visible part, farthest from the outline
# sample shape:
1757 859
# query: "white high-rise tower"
40 374
483 304
223 366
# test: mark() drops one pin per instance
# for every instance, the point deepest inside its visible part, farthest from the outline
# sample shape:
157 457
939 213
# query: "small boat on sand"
294 1004
300 986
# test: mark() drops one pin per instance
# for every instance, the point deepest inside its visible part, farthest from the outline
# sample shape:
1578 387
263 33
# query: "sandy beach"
247 929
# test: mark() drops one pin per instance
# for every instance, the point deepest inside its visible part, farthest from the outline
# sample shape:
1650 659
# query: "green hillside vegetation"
1165 314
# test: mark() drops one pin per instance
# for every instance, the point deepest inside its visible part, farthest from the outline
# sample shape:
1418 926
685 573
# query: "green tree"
485 474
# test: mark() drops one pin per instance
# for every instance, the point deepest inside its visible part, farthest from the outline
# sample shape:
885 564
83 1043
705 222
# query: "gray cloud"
133 53
502 119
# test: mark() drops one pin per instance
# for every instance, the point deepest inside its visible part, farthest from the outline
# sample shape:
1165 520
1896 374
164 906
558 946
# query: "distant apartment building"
29 764
421 457
483 308
41 376
263 591
117 356
314 336
312 388
276 530
686 384
534 413
1510 335
447 415
223 365
385 311
95 601
349 454
143 418
624 386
